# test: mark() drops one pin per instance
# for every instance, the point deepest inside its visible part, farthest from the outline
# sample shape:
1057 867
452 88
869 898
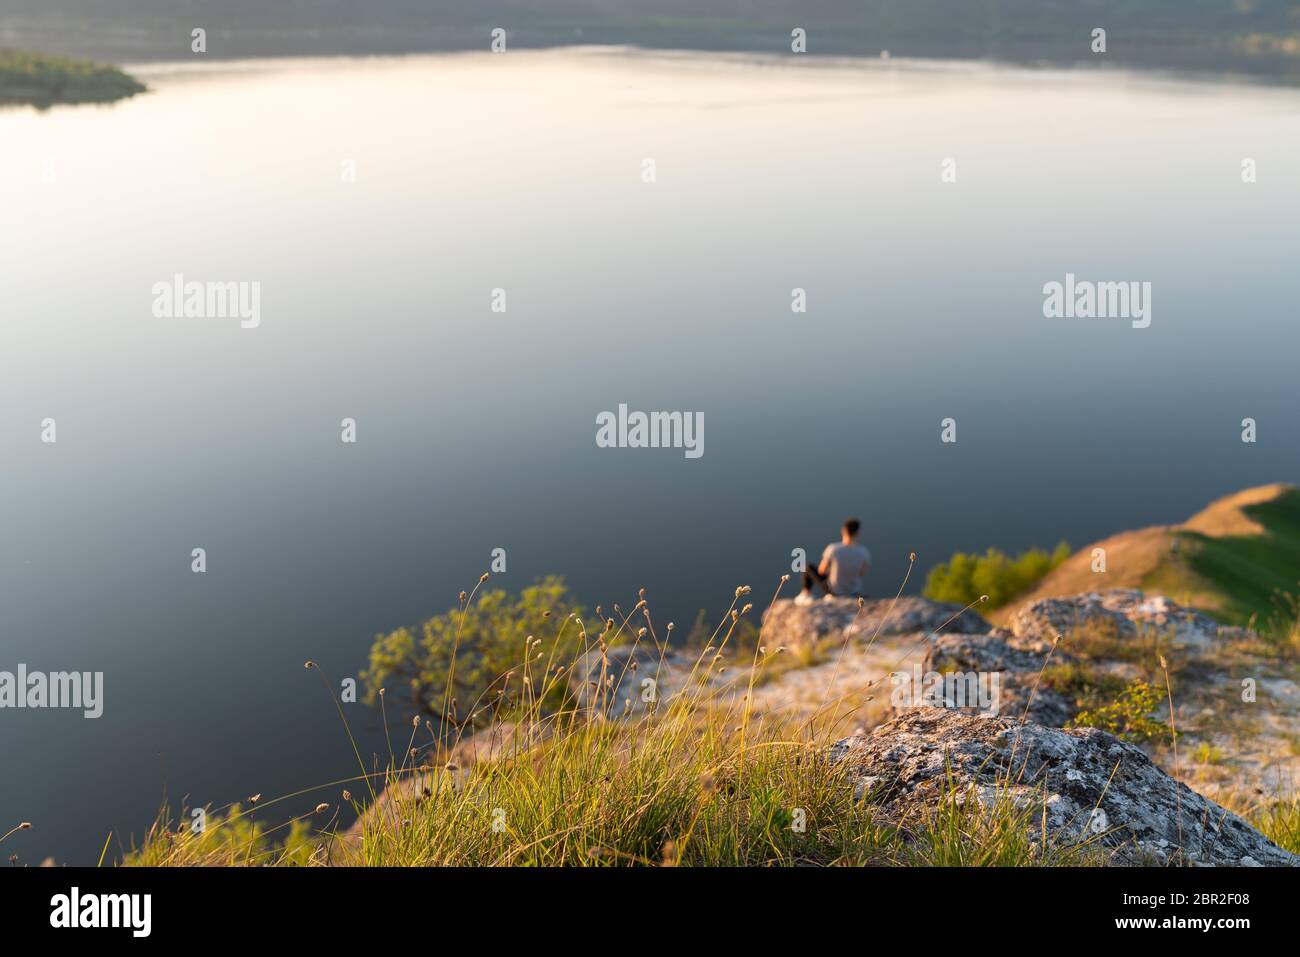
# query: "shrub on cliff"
470 664
965 577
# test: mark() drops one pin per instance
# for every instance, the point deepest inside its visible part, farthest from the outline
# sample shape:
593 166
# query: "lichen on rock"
1087 787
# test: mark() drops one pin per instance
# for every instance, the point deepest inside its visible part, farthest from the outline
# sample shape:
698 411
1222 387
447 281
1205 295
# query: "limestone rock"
1124 609
1018 664
791 623
1085 784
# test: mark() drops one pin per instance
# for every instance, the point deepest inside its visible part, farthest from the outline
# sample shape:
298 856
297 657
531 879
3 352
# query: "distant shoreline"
1263 44
40 80
197 65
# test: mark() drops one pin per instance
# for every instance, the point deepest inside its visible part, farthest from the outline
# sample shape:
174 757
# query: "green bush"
475 658
965 577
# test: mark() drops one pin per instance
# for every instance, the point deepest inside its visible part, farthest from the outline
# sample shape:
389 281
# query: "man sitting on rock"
842 568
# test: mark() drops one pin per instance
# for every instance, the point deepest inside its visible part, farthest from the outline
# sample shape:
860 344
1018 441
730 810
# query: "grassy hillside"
41 80
1239 558
1254 570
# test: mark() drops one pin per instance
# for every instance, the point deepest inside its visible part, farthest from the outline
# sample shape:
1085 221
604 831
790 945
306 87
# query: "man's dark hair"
852 526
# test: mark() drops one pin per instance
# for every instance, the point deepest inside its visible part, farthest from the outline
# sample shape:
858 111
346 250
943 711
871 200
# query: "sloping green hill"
1238 558
1253 571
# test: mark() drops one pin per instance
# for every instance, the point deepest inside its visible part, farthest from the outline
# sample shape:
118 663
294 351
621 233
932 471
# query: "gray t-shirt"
848 563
